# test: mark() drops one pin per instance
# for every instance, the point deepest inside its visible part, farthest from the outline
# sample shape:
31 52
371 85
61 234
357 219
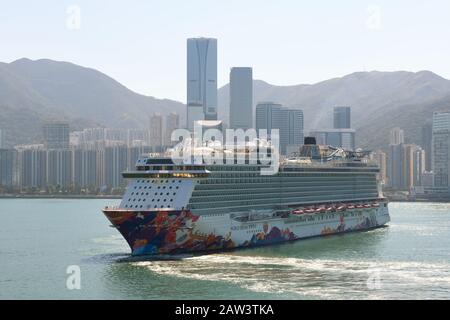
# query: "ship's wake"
306 278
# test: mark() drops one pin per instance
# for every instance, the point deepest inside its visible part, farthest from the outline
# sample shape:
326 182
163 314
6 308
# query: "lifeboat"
329 209
367 205
351 206
299 211
359 206
309 210
375 205
341 208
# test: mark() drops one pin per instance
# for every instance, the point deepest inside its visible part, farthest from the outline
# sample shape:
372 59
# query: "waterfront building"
441 149
241 98
8 159
426 143
59 167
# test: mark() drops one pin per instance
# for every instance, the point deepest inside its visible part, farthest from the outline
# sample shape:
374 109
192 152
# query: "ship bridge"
147 167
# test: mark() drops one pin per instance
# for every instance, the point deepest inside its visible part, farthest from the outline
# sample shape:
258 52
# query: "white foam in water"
306 277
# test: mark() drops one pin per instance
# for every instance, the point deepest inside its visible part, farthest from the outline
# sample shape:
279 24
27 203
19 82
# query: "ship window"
153 200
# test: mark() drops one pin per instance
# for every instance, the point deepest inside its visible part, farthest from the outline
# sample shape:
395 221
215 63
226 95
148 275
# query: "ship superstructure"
171 207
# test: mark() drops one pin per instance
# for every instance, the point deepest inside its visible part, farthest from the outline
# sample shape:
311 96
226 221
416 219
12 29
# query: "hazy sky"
142 44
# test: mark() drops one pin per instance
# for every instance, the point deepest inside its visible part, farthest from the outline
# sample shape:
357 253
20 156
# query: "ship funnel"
310 140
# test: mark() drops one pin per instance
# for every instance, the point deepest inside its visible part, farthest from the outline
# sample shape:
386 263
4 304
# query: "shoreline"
55 196
118 197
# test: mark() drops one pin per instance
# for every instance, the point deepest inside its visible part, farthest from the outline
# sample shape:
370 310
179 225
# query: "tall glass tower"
201 80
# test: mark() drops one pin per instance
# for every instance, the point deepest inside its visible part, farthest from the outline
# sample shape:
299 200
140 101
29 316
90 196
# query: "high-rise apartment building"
201 80
380 158
59 167
56 135
2 139
172 123
441 149
342 118
241 98
32 169
426 143
406 164
397 136
156 131
7 167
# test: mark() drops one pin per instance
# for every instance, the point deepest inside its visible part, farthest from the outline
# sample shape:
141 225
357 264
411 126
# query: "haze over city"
143 45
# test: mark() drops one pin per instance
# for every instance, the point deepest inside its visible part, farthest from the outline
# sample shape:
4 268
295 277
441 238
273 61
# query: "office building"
441 149
156 132
341 118
201 80
289 122
172 123
241 98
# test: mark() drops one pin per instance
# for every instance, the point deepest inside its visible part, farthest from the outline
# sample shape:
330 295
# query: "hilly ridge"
34 91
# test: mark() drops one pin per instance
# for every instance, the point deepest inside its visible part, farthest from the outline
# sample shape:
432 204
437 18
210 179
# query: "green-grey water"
39 239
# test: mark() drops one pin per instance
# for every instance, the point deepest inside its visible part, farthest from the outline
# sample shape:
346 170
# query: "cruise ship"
172 208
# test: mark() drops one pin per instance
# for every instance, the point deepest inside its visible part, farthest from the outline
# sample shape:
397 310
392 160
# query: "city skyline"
375 27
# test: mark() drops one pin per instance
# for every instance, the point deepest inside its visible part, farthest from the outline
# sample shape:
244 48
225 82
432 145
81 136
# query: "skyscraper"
426 143
56 135
441 149
289 122
59 167
201 80
156 131
380 159
7 167
341 118
172 123
2 139
241 98
397 136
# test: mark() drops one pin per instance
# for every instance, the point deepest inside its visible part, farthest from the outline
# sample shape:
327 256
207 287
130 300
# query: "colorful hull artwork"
175 232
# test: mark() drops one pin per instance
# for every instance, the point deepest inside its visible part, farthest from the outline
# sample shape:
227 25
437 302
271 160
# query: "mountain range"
32 92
